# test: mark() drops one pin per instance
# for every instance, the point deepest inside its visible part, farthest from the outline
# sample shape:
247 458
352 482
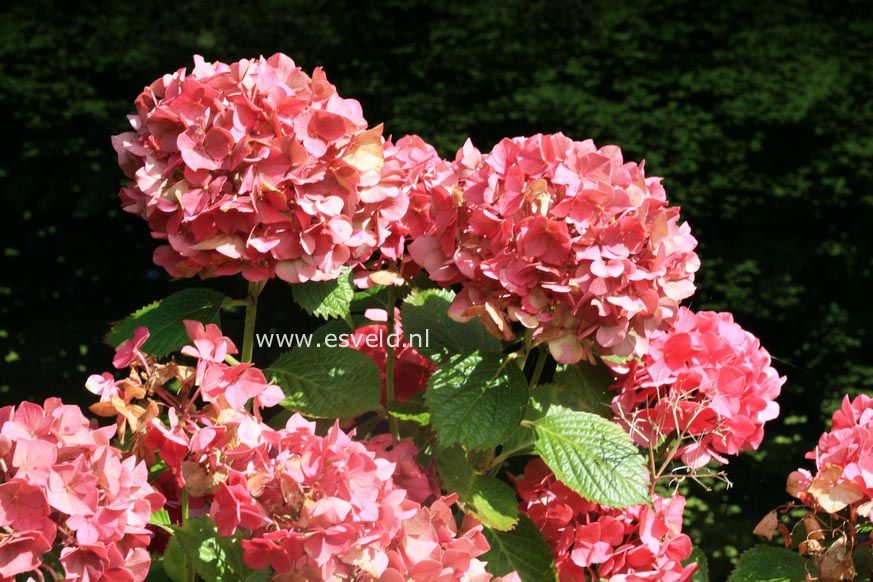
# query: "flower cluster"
311 507
62 483
567 239
843 460
642 543
331 508
257 168
707 381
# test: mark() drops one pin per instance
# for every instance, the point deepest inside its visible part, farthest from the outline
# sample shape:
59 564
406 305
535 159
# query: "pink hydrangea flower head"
593 542
707 381
65 485
843 460
562 237
255 167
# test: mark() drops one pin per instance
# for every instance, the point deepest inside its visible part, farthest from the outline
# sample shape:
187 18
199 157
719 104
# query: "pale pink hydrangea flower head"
255 167
563 237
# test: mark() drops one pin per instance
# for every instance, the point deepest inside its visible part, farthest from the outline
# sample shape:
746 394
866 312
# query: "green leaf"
157 571
769 564
589 386
702 573
175 564
164 320
214 557
426 313
541 399
327 382
371 298
326 299
475 400
492 501
160 518
334 331
592 456
410 411
523 550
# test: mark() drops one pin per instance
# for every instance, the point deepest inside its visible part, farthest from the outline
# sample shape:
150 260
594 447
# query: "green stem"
189 569
184 506
389 365
538 369
255 289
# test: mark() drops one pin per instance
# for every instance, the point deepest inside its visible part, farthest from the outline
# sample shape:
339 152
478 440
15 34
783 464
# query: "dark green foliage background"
758 114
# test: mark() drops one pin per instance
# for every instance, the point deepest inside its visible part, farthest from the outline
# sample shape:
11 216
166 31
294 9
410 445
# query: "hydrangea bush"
516 394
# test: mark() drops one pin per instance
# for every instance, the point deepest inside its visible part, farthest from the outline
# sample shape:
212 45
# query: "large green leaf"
541 399
425 316
769 564
327 382
326 298
588 385
164 320
523 550
213 557
592 456
475 400
487 498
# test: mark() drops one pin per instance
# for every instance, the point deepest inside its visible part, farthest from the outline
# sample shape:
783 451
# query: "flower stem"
389 364
538 368
255 288
189 569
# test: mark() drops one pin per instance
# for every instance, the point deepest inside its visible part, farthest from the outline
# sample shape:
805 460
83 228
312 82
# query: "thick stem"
389 364
255 289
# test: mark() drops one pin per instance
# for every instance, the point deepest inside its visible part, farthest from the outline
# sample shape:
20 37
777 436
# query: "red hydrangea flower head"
62 483
843 460
411 369
566 238
593 542
708 380
256 168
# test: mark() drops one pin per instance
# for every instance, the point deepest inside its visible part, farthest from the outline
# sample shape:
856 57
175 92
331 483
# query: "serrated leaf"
541 399
523 550
592 456
164 320
769 564
588 385
327 382
475 400
426 313
702 572
492 501
214 557
326 299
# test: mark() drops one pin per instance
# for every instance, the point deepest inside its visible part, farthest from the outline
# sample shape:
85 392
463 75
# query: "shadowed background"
758 115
